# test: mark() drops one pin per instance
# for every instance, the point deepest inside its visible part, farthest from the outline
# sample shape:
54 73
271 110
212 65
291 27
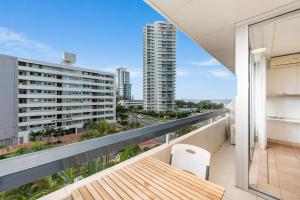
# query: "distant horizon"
94 32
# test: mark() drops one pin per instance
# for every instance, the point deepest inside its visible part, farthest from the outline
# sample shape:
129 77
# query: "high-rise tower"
123 84
159 66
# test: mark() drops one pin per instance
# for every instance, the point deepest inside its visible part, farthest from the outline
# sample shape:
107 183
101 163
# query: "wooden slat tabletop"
149 178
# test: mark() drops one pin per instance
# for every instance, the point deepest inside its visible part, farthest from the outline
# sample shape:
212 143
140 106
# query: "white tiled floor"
222 172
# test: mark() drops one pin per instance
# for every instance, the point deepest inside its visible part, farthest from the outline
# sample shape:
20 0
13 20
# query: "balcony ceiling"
211 23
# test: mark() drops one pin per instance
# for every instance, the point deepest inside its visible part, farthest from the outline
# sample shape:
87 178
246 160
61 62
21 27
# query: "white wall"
8 100
242 106
282 83
284 131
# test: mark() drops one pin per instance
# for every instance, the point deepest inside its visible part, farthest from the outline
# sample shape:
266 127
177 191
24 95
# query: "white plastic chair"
191 158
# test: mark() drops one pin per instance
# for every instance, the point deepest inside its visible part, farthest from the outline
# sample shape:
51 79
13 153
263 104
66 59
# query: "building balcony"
212 137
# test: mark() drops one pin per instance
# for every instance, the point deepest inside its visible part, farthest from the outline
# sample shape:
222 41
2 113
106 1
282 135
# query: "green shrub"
21 151
38 146
185 130
3 156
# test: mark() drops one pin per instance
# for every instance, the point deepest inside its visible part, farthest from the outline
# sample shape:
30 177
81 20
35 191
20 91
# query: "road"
148 121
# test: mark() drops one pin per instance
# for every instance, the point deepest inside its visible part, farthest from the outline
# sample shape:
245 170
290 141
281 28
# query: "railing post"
167 138
210 119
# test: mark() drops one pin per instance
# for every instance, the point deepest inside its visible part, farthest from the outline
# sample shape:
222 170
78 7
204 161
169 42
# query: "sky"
105 35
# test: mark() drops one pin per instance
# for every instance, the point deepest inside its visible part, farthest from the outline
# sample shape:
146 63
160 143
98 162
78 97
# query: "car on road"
140 117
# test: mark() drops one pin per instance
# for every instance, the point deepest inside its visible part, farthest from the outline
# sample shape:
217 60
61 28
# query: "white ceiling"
280 36
211 23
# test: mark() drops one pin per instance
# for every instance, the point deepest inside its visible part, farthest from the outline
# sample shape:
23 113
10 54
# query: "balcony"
211 137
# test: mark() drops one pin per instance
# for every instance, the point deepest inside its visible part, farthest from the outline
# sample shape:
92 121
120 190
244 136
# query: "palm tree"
99 129
49 184
129 152
67 176
58 133
33 190
48 132
32 136
39 134
28 192
121 113
92 168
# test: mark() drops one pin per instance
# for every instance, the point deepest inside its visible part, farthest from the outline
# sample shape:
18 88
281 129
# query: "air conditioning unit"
292 60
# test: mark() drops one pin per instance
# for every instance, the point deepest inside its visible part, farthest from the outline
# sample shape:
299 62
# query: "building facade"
40 94
123 84
159 70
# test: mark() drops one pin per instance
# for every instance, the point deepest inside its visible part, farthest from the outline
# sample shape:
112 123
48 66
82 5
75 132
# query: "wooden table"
149 178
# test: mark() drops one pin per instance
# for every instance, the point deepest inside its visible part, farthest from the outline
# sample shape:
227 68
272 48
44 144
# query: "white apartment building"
123 83
159 66
39 94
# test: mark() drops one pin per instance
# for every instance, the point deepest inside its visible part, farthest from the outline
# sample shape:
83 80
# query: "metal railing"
26 168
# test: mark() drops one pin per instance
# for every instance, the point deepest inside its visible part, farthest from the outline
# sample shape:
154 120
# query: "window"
22 63
35 108
36 117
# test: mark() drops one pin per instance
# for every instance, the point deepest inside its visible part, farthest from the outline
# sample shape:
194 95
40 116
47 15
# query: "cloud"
210 62
221 74
17 44
181 72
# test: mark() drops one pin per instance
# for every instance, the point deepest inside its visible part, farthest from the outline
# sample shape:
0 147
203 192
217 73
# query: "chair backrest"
191 158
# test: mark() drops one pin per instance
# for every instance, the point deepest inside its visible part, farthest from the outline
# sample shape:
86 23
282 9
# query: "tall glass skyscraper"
123 84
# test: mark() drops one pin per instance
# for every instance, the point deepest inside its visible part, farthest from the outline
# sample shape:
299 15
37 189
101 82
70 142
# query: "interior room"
275 107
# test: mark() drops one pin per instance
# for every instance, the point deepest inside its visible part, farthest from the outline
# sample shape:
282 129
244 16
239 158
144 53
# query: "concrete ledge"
209 137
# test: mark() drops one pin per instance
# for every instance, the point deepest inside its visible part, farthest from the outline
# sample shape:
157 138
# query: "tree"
87 123
24 192
208 105
182 115
33 190
67 176
32 136
92 168
49 184
134 125
99 129
36 135
129 152
121 113
180 103
48 133
58 133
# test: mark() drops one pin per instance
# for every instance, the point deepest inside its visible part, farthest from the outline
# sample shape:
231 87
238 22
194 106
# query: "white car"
140 117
